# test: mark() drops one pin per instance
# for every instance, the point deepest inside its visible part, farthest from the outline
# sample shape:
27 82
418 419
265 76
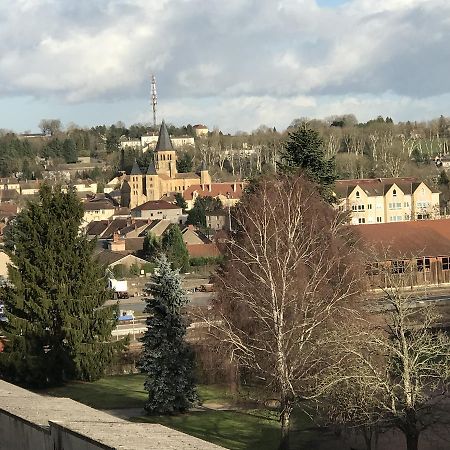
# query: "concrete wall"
29 421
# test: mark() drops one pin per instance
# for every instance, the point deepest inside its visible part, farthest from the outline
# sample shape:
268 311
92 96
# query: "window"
394 193
446 263
406 204
360 207
357 194
423 265
369 206
395 219
396 205
361 220
398 267
373 268
379 219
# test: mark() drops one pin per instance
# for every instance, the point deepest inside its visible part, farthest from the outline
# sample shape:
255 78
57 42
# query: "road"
137 303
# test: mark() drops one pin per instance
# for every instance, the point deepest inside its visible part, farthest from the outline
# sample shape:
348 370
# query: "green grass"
125 391
235 430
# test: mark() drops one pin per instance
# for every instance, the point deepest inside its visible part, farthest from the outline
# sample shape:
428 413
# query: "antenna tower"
154 99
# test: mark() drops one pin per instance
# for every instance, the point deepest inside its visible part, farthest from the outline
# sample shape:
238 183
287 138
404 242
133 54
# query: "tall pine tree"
175 248
167 359
304 149
58 328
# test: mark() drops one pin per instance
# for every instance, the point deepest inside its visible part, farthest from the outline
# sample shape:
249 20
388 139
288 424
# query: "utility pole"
154 100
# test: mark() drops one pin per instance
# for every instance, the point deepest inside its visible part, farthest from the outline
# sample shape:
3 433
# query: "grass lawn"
124 391
236 430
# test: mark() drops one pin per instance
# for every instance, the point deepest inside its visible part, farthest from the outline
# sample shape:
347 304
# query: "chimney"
210 187
191 227
116 237
234 187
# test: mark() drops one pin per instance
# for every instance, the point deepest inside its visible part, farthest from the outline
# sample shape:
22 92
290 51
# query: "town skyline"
248 63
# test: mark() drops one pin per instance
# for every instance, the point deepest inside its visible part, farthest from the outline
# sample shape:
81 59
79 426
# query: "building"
161 177
420 249
98 208
228 193
217 220
158 209
200 130
384 200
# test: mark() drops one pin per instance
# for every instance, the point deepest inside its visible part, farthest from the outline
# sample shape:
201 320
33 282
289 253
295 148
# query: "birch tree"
394 372
291 274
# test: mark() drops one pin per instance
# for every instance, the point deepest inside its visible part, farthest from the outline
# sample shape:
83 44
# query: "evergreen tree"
180 201
185 163
58 328
443 178
202 205
152 247
304 149
69 151
175 248
167 359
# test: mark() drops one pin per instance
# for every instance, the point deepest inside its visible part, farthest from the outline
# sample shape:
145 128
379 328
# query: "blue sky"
235 64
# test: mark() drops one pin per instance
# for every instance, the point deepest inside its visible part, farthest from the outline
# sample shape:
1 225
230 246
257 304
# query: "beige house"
158 209
97 209
161 177
385 200
200 130
228 193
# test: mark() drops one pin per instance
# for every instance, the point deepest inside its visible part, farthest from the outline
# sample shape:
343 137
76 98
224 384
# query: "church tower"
166 157
136 185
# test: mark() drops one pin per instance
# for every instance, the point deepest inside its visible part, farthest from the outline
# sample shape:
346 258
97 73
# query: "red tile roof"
419 238
230 190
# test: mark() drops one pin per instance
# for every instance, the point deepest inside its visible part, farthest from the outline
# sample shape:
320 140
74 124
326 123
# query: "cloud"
267 59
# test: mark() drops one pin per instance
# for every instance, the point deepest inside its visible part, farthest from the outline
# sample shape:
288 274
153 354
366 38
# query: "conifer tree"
58 328
304 149
175 248
167 359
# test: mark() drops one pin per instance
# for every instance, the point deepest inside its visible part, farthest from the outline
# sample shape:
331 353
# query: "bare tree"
50 126
292 273
394 371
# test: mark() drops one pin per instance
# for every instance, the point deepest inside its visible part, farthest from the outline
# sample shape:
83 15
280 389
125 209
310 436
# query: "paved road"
137 304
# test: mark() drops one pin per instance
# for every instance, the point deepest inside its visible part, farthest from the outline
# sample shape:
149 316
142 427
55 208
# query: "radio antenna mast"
154 100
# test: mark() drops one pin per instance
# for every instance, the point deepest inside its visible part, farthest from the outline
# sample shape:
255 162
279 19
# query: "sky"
234 64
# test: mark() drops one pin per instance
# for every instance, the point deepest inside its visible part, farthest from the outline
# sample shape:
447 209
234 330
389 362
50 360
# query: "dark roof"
107 257
97 227
135 170
407 239
188 175
164 143
95 205
151 168
154 205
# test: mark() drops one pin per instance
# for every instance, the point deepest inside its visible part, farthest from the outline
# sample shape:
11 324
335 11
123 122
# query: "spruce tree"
167 359
304 149
58 327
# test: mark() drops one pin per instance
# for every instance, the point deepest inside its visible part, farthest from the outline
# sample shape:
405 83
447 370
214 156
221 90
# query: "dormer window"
357 194
394 193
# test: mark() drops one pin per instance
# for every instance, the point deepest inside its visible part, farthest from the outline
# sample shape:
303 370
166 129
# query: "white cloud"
269 60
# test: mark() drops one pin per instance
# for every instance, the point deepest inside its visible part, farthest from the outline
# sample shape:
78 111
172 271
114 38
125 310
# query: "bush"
205 261
119 271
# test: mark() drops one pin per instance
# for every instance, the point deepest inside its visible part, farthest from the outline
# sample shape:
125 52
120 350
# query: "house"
198 245
10 184
160 177
228 193
200 130
158 209
98 208
218 220
125 233
384 200
85 186
4 261
29 187
420 247
111 259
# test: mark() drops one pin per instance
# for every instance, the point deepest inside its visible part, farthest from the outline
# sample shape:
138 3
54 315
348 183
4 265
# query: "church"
160 177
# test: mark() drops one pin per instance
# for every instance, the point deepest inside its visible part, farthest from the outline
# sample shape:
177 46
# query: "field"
218 421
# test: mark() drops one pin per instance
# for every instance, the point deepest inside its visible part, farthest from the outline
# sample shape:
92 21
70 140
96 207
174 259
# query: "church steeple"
166 157
164 143
135 170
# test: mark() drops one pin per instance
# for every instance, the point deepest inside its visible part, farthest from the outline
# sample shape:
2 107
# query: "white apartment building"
384 200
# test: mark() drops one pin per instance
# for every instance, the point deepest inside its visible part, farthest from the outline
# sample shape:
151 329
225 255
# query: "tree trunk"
412 440
285 426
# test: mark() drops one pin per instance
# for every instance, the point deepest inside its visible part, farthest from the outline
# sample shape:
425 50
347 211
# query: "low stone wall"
30 421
